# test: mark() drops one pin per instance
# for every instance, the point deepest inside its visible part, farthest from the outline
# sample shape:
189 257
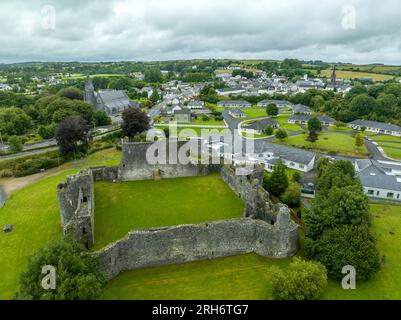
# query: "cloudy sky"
359 31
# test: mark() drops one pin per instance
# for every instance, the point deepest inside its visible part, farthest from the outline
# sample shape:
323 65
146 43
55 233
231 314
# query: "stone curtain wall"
250 189
185 243
135 166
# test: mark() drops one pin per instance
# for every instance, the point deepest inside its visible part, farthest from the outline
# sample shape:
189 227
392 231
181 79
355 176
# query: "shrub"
292 195
304 280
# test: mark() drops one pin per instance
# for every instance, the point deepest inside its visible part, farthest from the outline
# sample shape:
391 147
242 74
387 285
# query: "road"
155 111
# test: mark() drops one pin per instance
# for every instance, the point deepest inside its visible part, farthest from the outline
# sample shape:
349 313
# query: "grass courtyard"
248 277
335 143
122 207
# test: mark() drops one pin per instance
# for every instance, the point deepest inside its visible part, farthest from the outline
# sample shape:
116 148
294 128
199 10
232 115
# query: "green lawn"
341 129
343 74
255 112
191 132
341 144
34 213
393 153
247 276
283 121
386 138
122 207
211 122
240 277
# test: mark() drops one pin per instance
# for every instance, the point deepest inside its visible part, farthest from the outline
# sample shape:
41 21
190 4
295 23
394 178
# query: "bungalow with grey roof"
237 113
278 103
234 104
182 115
378 180
301 109
230 91
258 127
303 120
374 126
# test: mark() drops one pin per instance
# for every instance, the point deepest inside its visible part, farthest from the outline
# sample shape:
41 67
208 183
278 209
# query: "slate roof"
372 175
287 153
300 108
260 125
277 102
233 102
305 117
375 124
113 100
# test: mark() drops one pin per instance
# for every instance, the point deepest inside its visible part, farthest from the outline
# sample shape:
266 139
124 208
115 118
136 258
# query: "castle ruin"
265 229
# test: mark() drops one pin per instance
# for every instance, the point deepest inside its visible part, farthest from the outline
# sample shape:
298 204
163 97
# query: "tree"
77 275
134 121
269 130
292 196
14 121
341 206
346 245
359 140
303 280
154 97
71 131
153 75
47 132
101 118
281 134
15 143
272 109
297 177
314 126
277 183
71 93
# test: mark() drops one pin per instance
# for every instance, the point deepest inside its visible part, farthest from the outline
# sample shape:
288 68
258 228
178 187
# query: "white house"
378 127
380 179
234 104
230 91
258 127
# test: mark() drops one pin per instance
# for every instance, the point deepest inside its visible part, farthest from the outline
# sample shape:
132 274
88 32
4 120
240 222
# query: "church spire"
334 77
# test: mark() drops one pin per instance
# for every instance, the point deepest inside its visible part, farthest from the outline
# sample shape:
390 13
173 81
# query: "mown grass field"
392 153
345 74
122 207
283 121
34 213
255 112
337 143
386 138
248 277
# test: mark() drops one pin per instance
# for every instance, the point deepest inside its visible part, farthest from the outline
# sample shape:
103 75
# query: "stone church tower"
89 95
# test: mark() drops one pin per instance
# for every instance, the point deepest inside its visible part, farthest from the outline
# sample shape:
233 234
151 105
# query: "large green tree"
277 183
76 273
346 245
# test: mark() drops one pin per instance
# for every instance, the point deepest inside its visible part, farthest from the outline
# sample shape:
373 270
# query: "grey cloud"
177 29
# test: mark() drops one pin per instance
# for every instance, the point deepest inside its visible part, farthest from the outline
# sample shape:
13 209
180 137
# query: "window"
377 193
371 192
390 195
301 166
